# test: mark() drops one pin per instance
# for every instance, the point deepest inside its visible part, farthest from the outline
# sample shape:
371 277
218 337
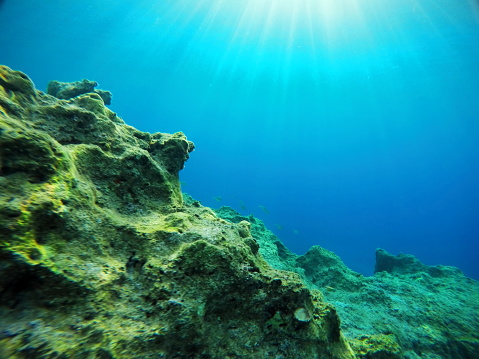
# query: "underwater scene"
219 179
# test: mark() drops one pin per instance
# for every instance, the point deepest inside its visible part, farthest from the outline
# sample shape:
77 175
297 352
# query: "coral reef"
101 257
406 310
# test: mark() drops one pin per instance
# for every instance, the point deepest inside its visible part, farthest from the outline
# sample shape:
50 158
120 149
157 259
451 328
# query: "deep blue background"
355 123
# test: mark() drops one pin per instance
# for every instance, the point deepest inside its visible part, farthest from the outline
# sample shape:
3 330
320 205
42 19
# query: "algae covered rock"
68 90
406 310
100 256
270 247
410 311
404 264
325 270
380 346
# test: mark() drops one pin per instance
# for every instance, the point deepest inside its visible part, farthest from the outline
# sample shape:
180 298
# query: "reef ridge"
405 310
101 256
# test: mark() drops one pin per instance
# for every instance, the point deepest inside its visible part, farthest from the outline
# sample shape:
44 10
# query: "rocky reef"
100 256
68 90
406 310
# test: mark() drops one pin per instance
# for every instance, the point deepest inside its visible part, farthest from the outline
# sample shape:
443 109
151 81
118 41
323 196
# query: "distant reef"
103 257
406 310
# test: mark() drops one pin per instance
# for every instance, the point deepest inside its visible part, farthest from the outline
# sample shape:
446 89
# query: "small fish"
279 226
295 231
265 210
218 199
183 183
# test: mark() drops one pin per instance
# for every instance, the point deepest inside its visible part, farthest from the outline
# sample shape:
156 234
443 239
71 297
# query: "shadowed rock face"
100 256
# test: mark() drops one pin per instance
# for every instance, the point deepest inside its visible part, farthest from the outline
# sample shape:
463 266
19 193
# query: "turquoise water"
353 124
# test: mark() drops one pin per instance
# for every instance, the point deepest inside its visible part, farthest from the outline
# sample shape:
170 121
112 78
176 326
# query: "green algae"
378 346
406 310
101 257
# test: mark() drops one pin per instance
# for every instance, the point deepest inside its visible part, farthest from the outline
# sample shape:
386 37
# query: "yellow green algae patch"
101 257
377 346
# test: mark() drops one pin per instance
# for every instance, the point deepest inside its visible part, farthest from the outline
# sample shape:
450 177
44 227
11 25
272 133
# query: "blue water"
355 123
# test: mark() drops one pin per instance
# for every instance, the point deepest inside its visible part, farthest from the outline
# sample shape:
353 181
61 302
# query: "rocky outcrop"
68 90
101 257
406 310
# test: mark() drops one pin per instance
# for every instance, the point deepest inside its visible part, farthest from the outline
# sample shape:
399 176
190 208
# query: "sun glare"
286 39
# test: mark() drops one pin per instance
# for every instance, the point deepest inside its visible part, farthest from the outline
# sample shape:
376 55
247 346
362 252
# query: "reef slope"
406 310
100 256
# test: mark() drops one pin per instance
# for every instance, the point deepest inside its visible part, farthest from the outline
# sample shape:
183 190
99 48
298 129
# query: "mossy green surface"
406 310
68 90
100 256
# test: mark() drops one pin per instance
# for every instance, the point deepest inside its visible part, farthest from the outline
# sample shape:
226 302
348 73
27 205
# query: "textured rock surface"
68 90
100 257
406 310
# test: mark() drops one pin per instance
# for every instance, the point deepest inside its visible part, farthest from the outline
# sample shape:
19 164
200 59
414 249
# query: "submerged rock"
101 257
406 310
68 90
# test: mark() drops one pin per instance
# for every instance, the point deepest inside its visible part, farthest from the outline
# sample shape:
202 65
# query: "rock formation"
100 256
406 310
68 90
